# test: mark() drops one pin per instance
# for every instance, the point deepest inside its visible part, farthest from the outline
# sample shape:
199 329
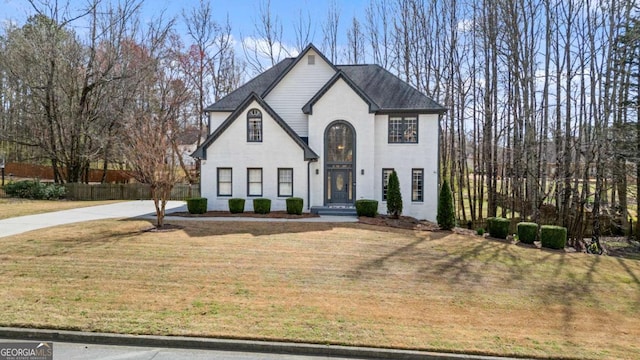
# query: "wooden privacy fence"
125 191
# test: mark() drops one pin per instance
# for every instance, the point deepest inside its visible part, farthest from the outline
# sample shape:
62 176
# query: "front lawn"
348 284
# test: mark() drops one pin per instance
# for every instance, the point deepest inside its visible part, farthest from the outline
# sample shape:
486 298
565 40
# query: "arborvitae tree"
394 197
446 216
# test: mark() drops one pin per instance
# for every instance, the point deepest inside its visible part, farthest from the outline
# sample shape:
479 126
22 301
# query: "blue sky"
242 13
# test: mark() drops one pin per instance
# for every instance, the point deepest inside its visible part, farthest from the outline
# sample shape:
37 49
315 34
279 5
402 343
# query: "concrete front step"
334 210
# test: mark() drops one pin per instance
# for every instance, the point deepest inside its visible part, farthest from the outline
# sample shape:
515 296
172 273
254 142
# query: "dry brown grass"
12 207
327 283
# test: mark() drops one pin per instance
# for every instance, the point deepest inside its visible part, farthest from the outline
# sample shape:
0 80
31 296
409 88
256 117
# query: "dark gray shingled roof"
388 92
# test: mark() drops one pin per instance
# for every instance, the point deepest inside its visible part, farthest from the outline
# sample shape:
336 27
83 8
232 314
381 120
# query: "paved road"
80 351
128 209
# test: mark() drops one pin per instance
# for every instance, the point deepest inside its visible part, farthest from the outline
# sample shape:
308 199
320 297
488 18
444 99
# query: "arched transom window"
254 125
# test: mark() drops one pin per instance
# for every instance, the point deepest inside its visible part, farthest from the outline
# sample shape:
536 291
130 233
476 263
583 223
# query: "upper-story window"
403 129
254 125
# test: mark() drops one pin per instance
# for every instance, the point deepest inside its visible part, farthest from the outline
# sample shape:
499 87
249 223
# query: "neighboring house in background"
187 143
325 133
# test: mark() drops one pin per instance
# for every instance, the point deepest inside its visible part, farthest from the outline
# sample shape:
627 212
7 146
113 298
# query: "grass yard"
348 284
12 207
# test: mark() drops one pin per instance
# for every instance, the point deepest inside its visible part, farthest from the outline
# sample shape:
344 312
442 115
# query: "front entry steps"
334 210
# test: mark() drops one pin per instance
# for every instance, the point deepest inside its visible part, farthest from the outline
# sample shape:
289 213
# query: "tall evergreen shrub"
394 197
446 216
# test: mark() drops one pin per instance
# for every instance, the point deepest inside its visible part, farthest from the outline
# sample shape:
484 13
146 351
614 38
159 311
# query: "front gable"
299 83
238 119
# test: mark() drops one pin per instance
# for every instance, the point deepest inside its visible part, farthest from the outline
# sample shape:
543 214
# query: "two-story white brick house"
330 134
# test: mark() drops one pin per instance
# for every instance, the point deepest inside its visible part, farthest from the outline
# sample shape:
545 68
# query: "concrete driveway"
123 210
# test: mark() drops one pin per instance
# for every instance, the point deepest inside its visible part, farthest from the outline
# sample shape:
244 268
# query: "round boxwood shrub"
527 232
553 237
197 205
236 205
261 206
294 205
366 207
498 227
488 222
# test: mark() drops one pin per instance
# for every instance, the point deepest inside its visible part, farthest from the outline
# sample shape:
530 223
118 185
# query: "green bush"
261 206
446 216
498 227
488 222
480 231
365 207
553 237
527 232
394 196
294 205
34 189
197 205
236 205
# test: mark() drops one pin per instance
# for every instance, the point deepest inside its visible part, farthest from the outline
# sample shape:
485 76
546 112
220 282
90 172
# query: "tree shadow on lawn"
479 263
219 228
62 245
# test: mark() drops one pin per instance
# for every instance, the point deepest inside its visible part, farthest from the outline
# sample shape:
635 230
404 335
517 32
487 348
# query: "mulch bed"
271 215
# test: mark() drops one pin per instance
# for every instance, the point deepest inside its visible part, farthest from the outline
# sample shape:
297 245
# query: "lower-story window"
224 182
285 182
417 184
385 182
254 182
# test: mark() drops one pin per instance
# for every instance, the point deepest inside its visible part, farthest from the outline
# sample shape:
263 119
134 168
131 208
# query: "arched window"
339 143
254 125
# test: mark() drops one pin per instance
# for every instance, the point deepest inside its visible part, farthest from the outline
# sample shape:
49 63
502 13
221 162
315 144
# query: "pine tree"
394 197
446 217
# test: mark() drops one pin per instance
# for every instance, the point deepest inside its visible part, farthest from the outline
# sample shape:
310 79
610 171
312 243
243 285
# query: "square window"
403 129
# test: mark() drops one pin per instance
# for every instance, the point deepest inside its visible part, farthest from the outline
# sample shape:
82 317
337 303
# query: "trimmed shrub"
34 189
197 205
553 237
394 197
294 205
365 207
446 216
488 222
527 232
261 206
236 205
498 227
